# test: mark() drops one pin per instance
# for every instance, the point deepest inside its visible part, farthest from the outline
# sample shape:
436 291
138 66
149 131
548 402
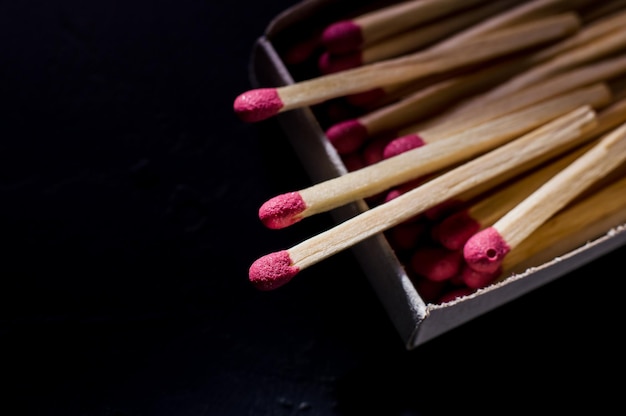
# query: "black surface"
128 222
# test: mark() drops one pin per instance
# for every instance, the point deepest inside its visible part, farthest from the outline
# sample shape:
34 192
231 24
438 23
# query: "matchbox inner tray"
416 320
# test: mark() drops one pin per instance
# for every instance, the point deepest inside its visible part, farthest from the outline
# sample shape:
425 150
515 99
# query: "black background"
129 192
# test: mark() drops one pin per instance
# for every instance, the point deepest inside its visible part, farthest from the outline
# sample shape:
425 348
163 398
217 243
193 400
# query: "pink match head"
367 98
402 144
408 235
442 209
342 37
328 63
455 230
303 51
258 104
485 250
282 210
436 263
475 279
347 136
272 271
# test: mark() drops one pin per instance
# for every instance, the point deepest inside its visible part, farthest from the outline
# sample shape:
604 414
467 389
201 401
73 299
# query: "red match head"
342 37
402 144
454 231
347 136
476 280
259 104
282 210
272 271
485 250
328 63
436 263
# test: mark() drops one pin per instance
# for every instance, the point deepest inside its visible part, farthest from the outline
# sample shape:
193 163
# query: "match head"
476 280
435 263
342 37
347 136
328 63
402 144
282 210
454 231
367 98
272 271
302 51
258 104
485 250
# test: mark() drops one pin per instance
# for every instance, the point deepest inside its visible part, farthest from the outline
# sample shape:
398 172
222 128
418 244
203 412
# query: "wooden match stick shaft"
598 48
410 109
523 13
443 153
547 138
598 11
595 164
551 87
589 32
426 101
393 19
607 118
571 228
414 66
425 35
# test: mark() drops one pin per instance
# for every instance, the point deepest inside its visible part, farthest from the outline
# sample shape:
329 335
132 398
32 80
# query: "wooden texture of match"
414 66
445 152
595 164
547 138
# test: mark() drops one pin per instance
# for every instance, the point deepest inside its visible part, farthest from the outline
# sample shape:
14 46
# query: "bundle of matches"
504 104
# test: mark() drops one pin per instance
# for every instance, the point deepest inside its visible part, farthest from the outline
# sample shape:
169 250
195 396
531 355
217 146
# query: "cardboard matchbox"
415 320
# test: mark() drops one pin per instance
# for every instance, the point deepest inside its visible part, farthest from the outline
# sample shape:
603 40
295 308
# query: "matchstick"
287 209
486 250
407 113
261 103
410 40
590 31
525 12
453 231
599 11
276 269
349 35
603 46
347 135
468 116
571 228
520 14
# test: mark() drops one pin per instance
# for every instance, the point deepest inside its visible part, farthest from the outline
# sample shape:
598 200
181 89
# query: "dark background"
129 193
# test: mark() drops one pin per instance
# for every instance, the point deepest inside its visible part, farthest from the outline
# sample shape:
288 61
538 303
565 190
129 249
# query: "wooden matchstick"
608 118
600 47
262 103
468 116
349 35
287 209
570 229
523 13
411 40
485 250
456 229
276 269
349 135
598 11
407 113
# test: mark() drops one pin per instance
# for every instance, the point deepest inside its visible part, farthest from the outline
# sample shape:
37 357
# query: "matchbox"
416 318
